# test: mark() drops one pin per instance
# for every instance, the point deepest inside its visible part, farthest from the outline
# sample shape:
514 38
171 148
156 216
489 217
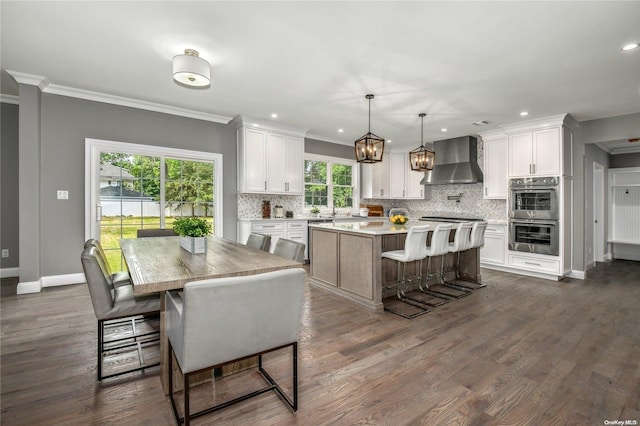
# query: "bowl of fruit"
398 219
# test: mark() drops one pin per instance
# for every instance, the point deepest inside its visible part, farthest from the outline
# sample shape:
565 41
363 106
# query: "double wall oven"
533 215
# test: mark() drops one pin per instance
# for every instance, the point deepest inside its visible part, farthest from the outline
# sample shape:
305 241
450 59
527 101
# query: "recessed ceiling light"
524 113
274 115
340 130
629 46
443 130
389 141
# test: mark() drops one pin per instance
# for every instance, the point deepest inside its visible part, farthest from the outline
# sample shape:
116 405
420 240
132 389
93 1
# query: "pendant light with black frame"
369 148
422 159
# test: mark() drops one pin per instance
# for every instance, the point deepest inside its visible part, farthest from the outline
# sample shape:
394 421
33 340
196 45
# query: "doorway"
131 187
599 243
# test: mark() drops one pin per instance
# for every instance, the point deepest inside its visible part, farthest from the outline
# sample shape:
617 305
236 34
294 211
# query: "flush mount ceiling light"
191 70
369 147
422 159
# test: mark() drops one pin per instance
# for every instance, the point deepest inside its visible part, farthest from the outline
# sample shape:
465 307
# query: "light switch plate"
63 194
5 253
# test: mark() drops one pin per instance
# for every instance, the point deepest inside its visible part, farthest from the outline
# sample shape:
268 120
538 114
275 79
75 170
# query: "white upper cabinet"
536 147
495 180
252 160
397 176
392 178
375 179
270 160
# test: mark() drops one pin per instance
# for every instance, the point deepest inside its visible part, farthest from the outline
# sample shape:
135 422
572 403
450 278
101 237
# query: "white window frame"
93 148
355 180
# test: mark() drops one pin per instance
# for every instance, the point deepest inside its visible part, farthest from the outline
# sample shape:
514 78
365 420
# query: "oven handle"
533 188
534 222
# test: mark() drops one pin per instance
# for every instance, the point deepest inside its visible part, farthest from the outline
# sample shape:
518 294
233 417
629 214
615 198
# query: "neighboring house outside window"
330 183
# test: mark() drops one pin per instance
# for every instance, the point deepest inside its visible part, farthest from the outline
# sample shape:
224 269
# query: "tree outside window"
328 184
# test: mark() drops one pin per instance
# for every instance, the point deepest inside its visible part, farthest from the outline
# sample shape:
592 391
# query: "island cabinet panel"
356 272
324 256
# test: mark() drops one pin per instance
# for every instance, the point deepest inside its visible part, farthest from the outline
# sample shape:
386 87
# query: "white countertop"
377 227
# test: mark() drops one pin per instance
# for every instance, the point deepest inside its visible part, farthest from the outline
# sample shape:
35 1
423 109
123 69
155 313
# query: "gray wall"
312 146
9 184
625 160
611 129
66 122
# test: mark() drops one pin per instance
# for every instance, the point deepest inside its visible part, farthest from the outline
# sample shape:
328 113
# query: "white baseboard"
50 281
57 280
9 272
580 275
29 287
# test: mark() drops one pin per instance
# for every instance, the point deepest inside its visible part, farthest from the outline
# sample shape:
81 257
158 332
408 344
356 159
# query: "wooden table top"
159 263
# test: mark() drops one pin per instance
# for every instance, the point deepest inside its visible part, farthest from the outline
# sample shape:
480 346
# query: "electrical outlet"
63 194
5 253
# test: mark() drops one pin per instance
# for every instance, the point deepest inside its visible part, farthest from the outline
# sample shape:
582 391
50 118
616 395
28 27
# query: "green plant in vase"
192 232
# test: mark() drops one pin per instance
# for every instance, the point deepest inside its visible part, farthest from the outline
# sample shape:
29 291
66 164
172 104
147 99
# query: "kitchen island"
346 259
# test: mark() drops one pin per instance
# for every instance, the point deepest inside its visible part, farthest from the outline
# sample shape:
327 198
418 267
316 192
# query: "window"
330 183
133 187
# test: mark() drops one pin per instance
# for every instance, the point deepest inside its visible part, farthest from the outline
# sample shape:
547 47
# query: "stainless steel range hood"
456 162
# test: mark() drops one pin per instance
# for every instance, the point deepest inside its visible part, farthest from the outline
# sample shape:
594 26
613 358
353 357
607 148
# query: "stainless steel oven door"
534 236
533 203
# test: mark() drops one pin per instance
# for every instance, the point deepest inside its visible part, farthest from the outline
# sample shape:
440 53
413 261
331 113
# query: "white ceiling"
312 63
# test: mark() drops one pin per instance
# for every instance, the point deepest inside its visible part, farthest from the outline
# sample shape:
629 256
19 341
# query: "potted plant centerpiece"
315 211
193 232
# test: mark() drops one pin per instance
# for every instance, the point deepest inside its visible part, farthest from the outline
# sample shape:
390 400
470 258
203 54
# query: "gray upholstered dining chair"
289 249
155 232
117 278
219 321
113 306
259 241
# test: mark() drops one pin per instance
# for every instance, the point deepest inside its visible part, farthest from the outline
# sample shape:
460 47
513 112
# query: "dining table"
159 264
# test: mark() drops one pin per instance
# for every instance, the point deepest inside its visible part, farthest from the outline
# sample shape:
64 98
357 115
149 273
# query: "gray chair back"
109 302
98 281
152 232
259 241
289 249
224 319
92 242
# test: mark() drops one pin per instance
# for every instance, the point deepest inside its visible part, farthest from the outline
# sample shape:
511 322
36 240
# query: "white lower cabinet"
495 245
295 230
533 263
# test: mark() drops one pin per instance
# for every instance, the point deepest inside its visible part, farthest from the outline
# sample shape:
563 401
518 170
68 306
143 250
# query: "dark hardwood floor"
522 351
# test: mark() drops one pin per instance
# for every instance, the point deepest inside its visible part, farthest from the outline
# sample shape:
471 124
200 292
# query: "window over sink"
330 183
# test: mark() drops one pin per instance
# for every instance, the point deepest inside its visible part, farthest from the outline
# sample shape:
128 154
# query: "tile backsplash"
471 203
250 205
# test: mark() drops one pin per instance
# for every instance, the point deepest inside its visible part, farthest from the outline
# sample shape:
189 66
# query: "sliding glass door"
133 187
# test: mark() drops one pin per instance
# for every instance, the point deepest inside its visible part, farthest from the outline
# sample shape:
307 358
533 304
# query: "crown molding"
630 150
30 79
245 120
9 99
604 147
538 123
55 89
492 135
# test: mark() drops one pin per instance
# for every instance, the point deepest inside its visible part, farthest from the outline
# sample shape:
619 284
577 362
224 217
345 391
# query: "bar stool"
440 247
461 242
476 242
416 239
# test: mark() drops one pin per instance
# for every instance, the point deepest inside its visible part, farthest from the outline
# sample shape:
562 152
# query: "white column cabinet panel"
495 169
277 163
295 165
